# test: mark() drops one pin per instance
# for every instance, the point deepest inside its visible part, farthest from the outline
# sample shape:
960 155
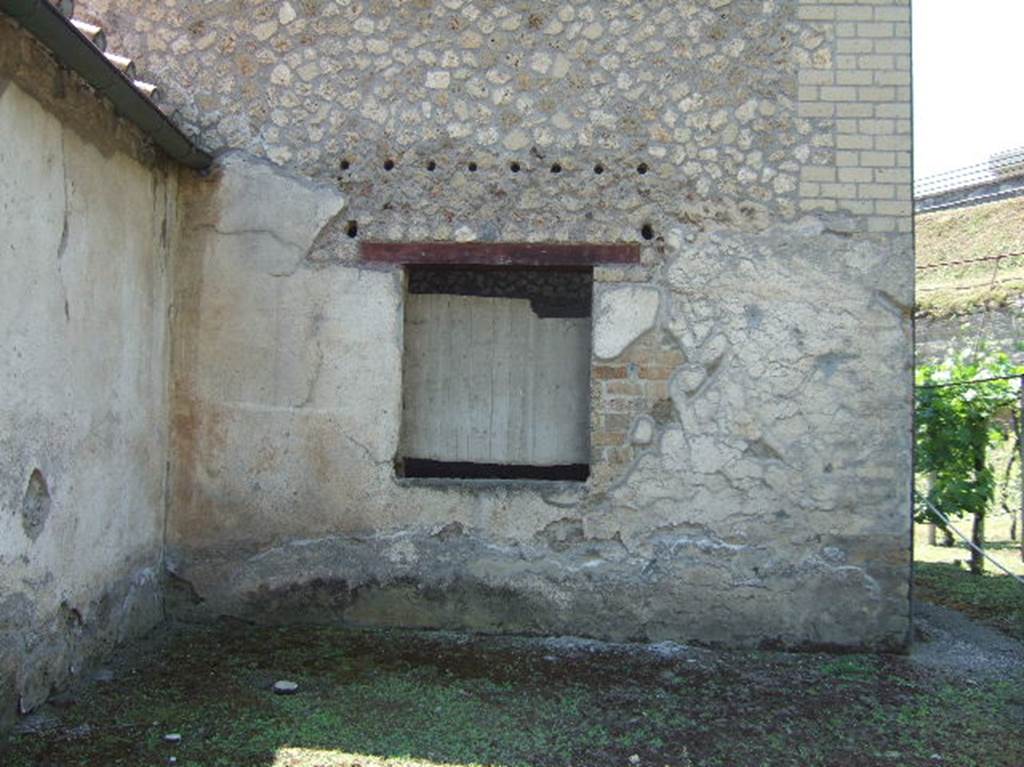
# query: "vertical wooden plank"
520 363
447 382
411 392
497 340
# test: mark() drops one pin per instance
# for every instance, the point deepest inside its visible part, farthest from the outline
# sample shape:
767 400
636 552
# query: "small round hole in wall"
599 169
472 167
389 164
353 229
556 168
514 167
431 166
344 164
642 168
647 232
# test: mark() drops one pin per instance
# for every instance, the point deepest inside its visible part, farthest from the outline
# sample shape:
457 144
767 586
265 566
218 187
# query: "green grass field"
964 234
393 699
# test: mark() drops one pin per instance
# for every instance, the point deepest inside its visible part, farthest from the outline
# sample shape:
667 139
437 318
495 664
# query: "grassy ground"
941 576
996 600
390 699
999 544
966 233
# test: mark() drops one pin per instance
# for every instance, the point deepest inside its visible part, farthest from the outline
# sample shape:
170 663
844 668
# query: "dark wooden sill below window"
421 468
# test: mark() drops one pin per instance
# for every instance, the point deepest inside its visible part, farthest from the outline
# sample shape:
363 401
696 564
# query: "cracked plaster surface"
85 244
775 474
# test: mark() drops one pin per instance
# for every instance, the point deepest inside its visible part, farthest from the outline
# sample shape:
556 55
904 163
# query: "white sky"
968 81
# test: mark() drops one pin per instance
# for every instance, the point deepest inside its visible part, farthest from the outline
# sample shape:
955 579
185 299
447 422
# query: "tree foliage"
961 412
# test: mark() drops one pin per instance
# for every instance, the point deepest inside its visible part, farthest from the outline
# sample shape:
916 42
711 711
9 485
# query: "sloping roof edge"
75 51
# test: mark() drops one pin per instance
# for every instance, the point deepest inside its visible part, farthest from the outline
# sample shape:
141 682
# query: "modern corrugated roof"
81 46
1002 166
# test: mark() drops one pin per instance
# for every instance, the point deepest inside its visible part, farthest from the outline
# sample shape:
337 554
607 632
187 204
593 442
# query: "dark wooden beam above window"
501 253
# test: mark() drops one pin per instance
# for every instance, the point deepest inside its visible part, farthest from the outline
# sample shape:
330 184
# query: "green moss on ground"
391 699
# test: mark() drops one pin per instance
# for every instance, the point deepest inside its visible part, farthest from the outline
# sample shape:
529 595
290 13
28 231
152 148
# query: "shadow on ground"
393 698
993 599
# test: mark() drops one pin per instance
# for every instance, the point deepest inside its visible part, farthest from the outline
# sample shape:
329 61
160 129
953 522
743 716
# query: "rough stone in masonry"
1000 327
39 652
704 93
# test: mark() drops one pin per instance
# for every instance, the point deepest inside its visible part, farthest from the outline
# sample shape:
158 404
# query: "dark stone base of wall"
588 589
40 654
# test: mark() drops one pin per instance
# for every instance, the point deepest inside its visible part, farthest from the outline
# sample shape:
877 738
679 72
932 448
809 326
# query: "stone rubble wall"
87 219
1000 328
751 378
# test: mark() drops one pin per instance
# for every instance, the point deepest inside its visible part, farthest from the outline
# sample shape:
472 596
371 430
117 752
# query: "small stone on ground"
284 687
104 675
35 723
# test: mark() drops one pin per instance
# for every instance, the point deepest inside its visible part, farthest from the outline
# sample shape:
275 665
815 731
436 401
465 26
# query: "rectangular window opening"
496 373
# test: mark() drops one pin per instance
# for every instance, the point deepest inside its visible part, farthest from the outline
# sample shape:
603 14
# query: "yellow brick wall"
858 97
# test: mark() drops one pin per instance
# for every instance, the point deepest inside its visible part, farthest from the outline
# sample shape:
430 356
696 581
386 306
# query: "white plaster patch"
644 430
275 215
709 455
621 316
688 379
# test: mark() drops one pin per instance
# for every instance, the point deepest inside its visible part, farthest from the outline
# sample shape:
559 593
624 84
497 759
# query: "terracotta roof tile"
94 34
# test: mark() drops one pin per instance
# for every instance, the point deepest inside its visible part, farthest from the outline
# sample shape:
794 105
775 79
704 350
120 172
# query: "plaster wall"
86 218
750 377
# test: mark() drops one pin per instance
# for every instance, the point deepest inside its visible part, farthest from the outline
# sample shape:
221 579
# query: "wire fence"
968 261
1001 263
953 528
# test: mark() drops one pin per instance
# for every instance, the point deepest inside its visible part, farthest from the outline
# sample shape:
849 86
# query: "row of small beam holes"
646 231
513 166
